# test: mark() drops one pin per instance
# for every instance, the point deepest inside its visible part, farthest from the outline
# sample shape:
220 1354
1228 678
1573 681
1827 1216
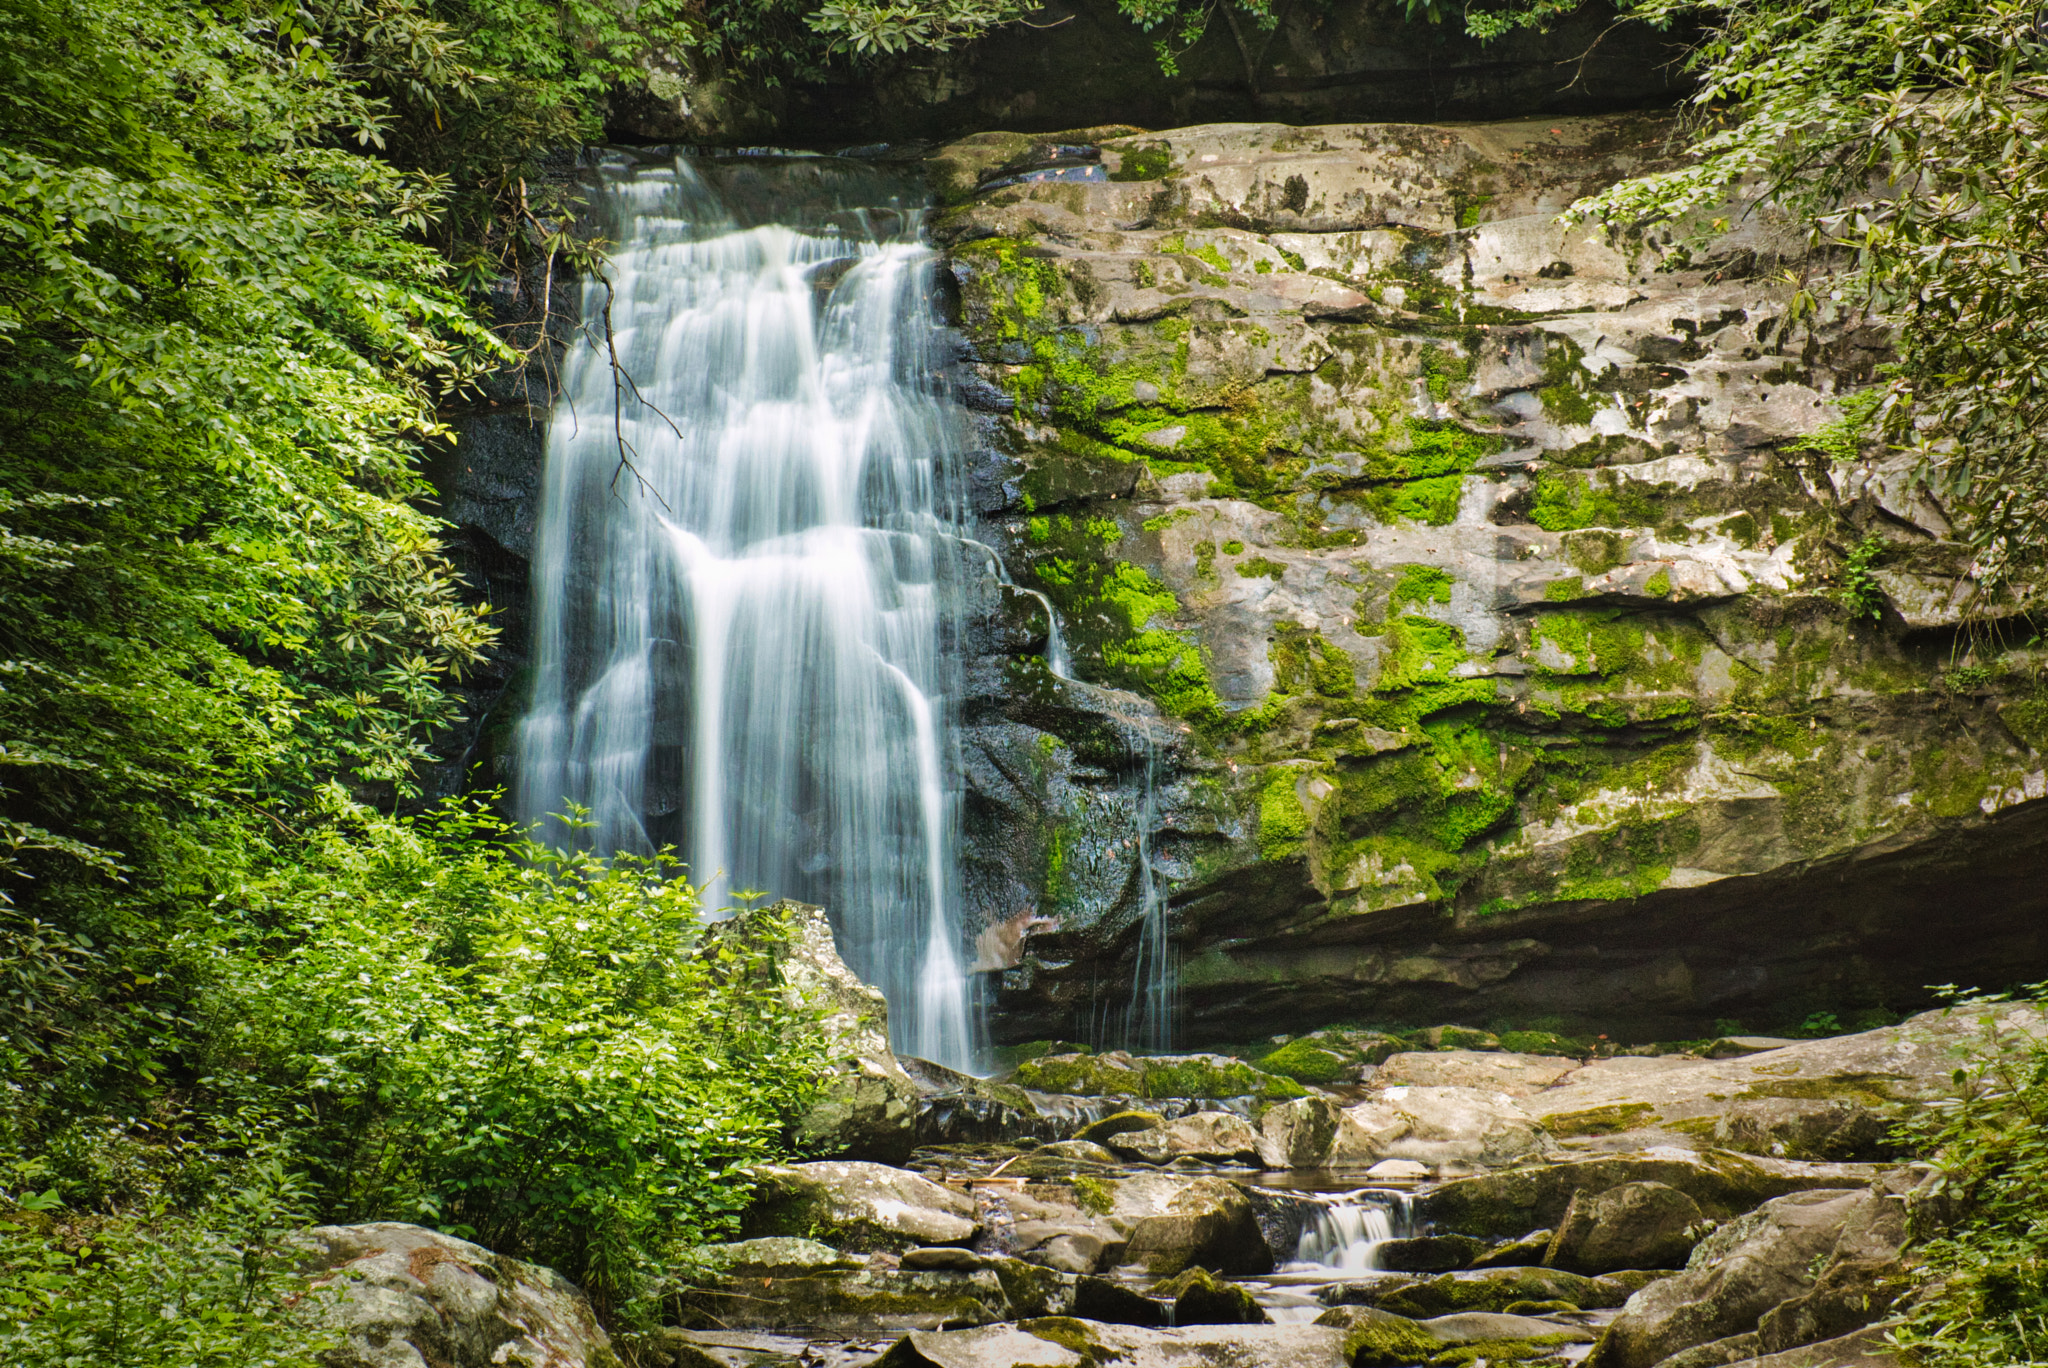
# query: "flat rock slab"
1517 1075
1062 1342
1883 1069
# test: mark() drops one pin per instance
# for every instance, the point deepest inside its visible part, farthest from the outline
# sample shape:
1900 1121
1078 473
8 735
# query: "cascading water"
745 576
1349 1230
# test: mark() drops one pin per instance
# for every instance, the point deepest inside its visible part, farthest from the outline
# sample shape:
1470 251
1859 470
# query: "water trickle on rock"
748 568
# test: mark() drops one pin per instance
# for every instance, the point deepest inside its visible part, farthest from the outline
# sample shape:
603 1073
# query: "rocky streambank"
1739 1201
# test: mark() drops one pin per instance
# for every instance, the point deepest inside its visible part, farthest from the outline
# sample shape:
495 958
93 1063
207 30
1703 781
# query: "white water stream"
1349 1230
739 644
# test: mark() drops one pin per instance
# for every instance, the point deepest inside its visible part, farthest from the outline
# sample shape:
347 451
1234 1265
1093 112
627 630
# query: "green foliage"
156 1288
1860 593
1988 1280
1906 134
547 1053
1146 162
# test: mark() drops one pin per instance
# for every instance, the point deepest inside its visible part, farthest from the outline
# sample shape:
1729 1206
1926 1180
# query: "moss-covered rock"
1380 1339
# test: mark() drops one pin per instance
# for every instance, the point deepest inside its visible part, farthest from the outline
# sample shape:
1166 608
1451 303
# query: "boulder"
1085 1150
1380 1339
1863 1349
1208 1222
1635 1225
1714 1353
1723 1183
864 1303
867 1106
1805 1128
1517 1075
1437 1126
858 1205
776 1256
1205 1135
1199 1297
1082 1075
1118 1123
1529 1249
405 1297
1062 1342
1070 1244
1428 1253
1298 1134
1849 1294
1102 1299
1479 1327
1754 1265
1492 1289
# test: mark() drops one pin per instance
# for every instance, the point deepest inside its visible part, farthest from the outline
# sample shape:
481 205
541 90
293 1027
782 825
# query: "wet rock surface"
1415 554
1073 1251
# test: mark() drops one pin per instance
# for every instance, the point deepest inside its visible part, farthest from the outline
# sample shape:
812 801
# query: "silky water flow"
748 568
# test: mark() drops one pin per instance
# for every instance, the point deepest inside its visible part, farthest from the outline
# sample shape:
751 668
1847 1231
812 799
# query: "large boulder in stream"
858 1206
405 1297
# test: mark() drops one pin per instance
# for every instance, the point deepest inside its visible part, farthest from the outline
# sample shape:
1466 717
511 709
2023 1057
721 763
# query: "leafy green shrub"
1988 1272
155 1289
547 1053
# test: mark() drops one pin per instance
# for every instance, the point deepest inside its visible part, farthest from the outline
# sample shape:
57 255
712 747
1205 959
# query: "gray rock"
1863 1349
1723 1183
1437 1125
1119 1123
1879 1070
1634 1225
867 1106
1298 1134
1086 1150
1517 1075
1753 1265
1714 1353
942 1259
1428 1253
1208 1222
865 1303
1205 1135
1805 1128
404 1297
1492 1289
1521 1253
776 1256
1475 1327
1072 1343
862 1206
1201 1298
1101 1299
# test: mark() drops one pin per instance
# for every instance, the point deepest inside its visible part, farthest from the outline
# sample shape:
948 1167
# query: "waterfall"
1148 1022
1350 1228
746 570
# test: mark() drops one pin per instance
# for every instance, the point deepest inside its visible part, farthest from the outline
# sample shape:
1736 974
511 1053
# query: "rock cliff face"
1472 618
